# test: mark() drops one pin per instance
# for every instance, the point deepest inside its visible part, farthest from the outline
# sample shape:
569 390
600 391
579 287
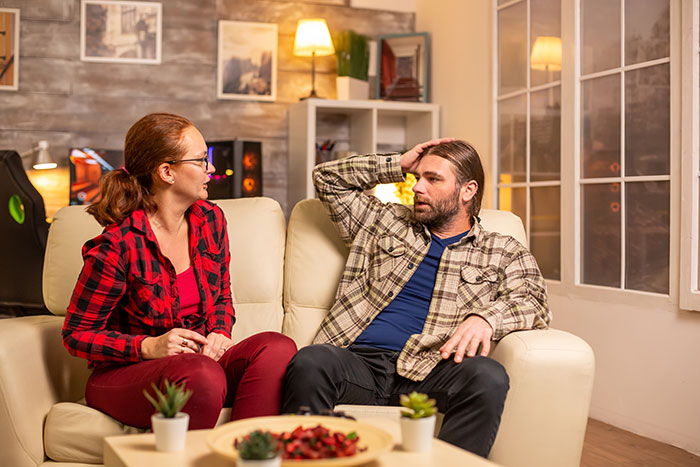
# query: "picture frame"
9 49
247 61
402 67
121 31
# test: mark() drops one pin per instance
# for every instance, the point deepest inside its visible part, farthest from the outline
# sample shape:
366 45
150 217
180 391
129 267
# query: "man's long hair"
467 166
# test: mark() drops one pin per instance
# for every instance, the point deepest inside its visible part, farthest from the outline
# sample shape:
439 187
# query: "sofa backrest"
315 257
256 229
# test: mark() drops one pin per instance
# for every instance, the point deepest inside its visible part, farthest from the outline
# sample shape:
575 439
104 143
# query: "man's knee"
311 360
484 378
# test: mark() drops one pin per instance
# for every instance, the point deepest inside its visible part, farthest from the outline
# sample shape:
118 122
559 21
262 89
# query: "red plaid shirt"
127 290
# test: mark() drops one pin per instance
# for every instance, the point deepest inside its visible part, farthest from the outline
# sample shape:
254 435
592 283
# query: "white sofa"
283 278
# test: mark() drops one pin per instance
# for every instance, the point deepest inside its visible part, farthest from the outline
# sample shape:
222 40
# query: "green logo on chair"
16 209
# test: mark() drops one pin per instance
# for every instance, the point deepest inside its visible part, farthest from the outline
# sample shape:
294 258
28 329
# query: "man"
421 290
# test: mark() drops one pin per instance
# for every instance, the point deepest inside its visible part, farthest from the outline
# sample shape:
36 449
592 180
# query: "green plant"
257 445
352 54
170 403
418 405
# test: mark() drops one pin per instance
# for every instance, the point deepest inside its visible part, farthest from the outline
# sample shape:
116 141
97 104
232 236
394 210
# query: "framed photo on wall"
120 31
247 61
9 49
402 67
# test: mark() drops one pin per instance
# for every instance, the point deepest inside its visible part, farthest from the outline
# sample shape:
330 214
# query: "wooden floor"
607 446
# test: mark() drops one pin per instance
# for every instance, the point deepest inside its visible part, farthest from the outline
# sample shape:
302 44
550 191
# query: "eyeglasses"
204 159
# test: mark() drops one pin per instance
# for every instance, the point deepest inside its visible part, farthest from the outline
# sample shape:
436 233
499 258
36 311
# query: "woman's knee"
198 372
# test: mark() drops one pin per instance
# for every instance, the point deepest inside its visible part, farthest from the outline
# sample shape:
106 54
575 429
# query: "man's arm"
340 185
521 303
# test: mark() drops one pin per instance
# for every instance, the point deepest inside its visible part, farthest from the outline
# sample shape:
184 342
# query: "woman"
153 301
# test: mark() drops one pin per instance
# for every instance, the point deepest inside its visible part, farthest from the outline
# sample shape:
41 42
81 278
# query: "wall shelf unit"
361 126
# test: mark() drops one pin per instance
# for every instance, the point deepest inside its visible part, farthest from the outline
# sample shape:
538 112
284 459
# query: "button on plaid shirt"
485 273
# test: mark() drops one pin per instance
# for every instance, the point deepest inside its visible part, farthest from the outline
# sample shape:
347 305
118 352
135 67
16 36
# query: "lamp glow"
42 159
546 54
312 39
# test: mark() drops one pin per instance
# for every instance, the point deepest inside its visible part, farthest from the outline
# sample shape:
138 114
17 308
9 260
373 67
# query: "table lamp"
546 54
312 39
41 159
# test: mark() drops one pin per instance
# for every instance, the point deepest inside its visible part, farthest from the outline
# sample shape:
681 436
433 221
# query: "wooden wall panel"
74 103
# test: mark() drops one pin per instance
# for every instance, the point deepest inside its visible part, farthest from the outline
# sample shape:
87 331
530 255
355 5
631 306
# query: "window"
529 123
624 165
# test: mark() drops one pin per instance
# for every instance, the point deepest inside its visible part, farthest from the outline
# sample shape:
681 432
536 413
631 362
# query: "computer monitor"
87 167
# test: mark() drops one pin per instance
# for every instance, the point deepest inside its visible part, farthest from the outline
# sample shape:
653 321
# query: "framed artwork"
9 49
402 67
247 61
120 31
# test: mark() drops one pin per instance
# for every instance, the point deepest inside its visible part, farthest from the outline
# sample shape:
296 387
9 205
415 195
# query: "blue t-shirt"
406 314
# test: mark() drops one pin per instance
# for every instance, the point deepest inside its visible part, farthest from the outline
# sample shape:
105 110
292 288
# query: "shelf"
365 126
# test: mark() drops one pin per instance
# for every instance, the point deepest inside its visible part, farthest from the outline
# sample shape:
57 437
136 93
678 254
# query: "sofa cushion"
74 432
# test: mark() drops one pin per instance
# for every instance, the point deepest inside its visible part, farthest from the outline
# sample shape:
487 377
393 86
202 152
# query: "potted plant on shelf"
169 424
352 56
258 449
417 422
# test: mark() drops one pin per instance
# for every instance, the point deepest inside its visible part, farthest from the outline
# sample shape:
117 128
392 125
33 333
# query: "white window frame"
570 163
527 92
689 292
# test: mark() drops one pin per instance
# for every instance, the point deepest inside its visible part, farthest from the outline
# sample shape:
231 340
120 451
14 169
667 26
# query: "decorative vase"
170 433
349 88
417 433
274 462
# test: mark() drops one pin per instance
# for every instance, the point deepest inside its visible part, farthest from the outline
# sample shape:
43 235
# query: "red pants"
248 377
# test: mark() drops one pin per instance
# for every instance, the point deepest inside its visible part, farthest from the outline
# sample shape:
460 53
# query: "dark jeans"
471 394
248 376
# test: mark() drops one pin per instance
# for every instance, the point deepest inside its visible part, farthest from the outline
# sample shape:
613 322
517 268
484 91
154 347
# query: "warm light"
248 184
546 54
313 38
46 166
229 172
249 161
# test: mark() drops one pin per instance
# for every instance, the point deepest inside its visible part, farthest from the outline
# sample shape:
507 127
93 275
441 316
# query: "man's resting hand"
473 331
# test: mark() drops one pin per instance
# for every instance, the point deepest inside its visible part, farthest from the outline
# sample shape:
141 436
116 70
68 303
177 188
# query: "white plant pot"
349 88
170 433
274 462
417 434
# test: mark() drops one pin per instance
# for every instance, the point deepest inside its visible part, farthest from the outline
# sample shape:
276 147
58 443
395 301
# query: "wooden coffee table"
139 450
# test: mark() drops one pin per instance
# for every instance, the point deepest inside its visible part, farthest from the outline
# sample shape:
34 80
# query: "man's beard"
440 211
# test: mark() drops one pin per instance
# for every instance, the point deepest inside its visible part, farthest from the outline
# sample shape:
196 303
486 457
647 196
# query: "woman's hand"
173 342
216 345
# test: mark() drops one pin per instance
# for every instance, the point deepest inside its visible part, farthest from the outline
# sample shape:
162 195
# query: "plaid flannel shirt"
485 273
127 290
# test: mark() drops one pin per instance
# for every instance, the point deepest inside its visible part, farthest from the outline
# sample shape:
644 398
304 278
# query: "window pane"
647 236
512 48
545 230
513 200
545 134
511 139
600 35
646 30
545 41
600 135
602 237
647 121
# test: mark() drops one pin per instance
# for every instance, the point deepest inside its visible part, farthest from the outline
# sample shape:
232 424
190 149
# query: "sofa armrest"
36 372
546 411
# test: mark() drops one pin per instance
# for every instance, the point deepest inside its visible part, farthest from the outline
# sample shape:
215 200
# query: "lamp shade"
313 38
546 54
43 159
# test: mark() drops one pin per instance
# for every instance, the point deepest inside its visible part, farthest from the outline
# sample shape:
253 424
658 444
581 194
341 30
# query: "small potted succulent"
417 421
169 423
258 449
352 56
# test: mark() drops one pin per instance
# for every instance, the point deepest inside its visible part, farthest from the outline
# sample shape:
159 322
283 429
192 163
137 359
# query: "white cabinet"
359 126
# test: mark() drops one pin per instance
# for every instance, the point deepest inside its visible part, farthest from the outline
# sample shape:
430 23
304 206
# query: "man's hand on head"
410 159
473 331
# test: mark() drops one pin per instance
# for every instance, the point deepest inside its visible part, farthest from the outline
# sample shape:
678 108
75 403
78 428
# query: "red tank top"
189 292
